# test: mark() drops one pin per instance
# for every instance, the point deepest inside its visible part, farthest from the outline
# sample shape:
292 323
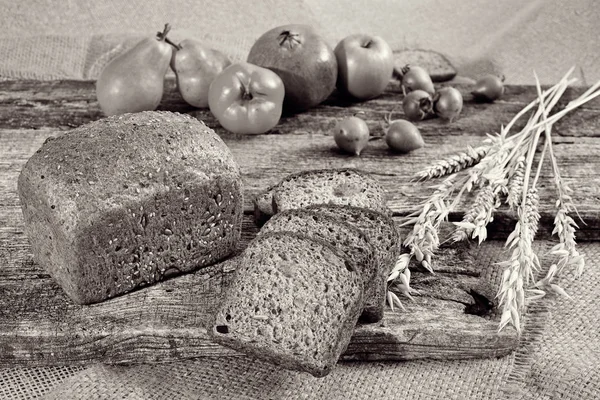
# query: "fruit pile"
289 68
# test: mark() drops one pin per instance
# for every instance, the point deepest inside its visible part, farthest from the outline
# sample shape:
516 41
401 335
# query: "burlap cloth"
560 349
558 358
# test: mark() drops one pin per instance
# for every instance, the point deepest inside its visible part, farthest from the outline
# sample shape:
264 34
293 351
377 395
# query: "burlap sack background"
561 347
45 39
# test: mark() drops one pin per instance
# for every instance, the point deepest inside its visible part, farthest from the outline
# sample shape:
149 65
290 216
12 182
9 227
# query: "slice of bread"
339 186
348 239
294 301
385 239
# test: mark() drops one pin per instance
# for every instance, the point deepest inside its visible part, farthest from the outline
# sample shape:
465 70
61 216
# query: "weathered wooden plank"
39 325
265 159
66 104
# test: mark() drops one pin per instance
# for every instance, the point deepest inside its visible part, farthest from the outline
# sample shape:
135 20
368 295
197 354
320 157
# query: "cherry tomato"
351 135
246 98
403 136
488 88
448 103
417 78
417 105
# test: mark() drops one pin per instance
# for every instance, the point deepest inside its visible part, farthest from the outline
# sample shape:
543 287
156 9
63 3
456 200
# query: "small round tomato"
417 105
448 103
403 136
488 88
351 135
246 98
417 78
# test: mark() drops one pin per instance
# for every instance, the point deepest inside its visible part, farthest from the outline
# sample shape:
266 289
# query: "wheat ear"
423 240
453 164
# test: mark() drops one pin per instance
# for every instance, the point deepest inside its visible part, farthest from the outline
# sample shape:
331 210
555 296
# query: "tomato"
351 135
403 136
246 98
448 103
417 105
488 88
417 78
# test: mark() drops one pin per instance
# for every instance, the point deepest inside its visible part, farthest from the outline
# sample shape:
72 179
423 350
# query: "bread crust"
130 200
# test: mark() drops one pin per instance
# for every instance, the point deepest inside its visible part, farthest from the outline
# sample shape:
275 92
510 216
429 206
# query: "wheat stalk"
423 241
502 166
456 162
515 185
564 226
519 270
481 213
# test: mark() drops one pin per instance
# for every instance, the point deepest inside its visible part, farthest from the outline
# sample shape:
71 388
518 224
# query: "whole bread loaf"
130 200
294 301
335 186
347 238
383 234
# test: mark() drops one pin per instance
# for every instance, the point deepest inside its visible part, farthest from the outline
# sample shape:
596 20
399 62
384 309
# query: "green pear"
196 66
134 80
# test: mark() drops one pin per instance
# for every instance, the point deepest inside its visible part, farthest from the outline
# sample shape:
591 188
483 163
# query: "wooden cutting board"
40 326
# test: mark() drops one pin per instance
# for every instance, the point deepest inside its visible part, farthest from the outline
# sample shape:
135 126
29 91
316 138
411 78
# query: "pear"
134 80
196 66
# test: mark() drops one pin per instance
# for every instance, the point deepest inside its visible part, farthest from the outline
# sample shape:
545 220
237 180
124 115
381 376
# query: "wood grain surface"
40 326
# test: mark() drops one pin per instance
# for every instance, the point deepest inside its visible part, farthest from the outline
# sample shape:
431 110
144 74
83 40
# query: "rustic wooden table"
40 326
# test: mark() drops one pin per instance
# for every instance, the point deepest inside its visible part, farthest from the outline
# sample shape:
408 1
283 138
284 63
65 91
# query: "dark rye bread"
130 200
348 239
385 239
294 301
339 186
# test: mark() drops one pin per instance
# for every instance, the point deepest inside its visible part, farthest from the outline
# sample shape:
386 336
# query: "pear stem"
177 47
163 37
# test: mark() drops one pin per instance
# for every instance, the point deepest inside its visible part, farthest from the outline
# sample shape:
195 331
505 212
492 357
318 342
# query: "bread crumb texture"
294 302
330 186
129 200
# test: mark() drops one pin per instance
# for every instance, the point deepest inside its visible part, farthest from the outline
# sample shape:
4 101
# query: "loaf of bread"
294 301
382 233
348 239
336 186
130 200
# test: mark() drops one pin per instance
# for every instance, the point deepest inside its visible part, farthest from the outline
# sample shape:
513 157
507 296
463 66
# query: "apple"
303 60
196 66
365 65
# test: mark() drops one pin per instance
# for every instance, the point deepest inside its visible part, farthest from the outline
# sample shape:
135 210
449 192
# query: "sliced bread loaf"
294 301
129 200
385 239
348 239
339 186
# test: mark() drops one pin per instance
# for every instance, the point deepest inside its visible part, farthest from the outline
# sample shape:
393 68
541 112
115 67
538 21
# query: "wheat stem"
553 94
540 163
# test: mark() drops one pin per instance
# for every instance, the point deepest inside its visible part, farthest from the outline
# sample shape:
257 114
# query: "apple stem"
368 44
